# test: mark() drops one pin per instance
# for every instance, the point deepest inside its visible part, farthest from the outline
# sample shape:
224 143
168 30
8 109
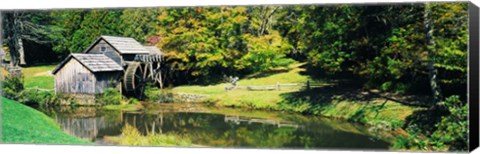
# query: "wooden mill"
110 62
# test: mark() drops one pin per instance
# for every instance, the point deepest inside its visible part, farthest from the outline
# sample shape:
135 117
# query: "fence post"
278 86
308 84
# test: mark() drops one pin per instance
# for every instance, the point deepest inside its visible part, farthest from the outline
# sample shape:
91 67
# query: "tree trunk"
21 52
12 34
266 19
432 71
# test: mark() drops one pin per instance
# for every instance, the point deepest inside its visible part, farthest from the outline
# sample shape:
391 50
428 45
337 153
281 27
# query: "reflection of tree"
306 141
265 136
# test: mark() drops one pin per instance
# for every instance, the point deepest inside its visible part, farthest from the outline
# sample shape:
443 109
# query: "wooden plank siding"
74 78
106 80
108 50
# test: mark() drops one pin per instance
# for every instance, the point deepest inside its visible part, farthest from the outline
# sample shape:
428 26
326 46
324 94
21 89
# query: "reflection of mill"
156 124
85 122
93 127
238 119
86 128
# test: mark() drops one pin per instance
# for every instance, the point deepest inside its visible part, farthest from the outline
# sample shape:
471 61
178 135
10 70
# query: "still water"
220 127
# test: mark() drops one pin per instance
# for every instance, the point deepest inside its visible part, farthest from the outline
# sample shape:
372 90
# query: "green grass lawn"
41 70
259 99
43 82
39 76
22 124
124 107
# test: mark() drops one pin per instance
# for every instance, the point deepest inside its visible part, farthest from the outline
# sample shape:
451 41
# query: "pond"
221 127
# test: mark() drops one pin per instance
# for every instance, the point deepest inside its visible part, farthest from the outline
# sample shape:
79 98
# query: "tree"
450 22
324 34
67 23
210 41
263 18
12 34
78 29
24 26
432 71
139 23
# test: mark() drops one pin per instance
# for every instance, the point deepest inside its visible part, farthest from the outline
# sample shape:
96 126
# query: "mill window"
103 49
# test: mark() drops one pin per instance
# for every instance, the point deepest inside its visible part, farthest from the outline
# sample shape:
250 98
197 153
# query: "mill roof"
124 45
93 62
153 50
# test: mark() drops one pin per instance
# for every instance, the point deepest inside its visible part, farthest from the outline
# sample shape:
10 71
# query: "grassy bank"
332 100
22 124
39 76
124 107
377 112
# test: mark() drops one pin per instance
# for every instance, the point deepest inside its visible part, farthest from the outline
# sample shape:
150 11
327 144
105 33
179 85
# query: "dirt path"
46 73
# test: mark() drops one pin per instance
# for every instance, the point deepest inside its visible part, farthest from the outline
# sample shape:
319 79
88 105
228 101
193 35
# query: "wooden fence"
278 86
39 89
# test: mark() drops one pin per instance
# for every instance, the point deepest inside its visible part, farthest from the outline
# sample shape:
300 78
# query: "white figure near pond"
232 80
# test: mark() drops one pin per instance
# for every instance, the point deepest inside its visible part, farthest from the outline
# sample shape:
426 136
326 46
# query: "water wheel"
134 79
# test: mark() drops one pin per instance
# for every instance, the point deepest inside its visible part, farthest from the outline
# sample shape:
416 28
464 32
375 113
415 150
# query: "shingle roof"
93 62
153 50
125 45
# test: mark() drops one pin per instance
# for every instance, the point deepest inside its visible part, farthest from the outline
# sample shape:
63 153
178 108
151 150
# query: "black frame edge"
473 85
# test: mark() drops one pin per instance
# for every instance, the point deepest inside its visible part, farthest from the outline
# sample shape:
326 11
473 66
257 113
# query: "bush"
12 87
110 96
158 95
132 136
32 96
451 133
132 101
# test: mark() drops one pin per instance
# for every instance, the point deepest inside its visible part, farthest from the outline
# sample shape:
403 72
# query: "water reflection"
238 119
88 123
264 130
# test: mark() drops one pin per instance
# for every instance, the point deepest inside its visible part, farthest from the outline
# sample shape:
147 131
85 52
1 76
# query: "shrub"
131 136
451 133
110 96
386 86
33 96
283 62
12 87
132 101
158 95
